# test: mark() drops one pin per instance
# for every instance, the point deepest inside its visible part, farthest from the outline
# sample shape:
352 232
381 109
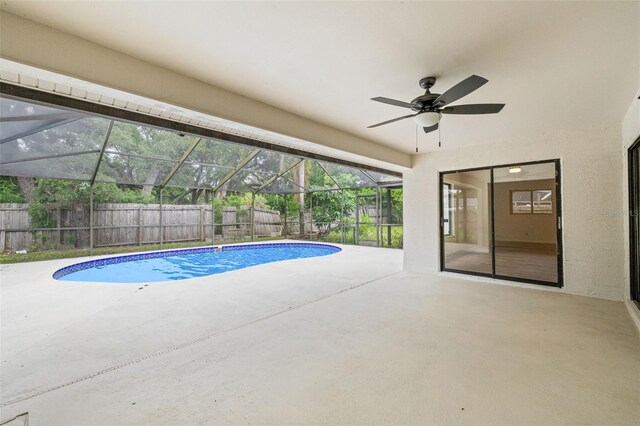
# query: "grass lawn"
70 253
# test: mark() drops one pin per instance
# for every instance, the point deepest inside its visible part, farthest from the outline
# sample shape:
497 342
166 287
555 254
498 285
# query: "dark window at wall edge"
634 220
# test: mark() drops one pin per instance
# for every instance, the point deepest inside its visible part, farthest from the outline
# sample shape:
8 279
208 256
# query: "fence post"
91 220
389 221
201 223
342 238
161 229
3 234
285 216
253 215
140 225
356 237
58 226
310 216
213 218
378 210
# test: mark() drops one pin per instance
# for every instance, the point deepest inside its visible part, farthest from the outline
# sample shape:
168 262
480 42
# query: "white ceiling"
560 66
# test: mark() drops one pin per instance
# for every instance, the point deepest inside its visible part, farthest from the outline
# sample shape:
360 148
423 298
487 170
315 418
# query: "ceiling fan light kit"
430 106
427 119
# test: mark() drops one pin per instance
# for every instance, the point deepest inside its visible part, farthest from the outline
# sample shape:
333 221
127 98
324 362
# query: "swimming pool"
187 263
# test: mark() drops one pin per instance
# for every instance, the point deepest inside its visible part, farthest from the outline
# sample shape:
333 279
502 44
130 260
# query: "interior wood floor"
528 263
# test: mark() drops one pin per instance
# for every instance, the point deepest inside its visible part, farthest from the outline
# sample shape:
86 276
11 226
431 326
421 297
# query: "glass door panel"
466 221
525 220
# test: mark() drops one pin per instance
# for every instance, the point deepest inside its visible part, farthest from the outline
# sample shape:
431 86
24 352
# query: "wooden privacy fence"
236 222
130 224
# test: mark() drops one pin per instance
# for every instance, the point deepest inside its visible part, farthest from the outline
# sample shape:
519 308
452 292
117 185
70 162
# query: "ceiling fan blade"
473 109
392 102
431 129
390 121
459 90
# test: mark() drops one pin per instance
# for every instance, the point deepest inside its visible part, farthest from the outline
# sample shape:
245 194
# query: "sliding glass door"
525 222
467 242
503 222
634 219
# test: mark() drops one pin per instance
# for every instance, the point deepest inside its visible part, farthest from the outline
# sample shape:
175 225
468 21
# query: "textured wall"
630 133
591 194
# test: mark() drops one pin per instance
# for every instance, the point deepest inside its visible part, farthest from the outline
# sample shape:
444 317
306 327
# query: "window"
538 201
520 202
542 201
634 220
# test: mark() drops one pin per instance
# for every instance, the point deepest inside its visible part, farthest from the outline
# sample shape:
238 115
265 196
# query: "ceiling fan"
430 106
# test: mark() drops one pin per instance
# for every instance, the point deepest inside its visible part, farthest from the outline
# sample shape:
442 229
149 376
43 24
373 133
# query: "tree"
9 191
141 155
26 185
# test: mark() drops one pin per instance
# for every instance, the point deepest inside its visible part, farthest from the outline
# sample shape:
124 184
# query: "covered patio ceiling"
46 141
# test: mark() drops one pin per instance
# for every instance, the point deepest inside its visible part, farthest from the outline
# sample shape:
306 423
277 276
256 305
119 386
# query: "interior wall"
525 228
591 172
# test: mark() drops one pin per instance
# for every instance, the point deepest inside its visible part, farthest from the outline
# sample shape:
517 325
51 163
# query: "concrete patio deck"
346 338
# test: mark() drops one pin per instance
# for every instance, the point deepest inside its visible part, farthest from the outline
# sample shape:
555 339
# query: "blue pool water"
189 263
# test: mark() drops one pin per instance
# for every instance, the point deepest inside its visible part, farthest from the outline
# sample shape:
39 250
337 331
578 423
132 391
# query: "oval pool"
187 263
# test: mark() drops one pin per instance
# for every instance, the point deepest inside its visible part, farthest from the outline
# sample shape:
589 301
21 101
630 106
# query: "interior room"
319 212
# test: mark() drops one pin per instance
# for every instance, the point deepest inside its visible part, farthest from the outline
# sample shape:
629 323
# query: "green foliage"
277 203
244 199
396 205
9 192
40 216
48 191
367 232
64 191
327 208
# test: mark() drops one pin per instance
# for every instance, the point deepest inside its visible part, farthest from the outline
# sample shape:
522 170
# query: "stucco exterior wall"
630 133
591 171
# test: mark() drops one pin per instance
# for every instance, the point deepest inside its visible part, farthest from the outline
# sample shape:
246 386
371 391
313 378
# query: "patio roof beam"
40 117
104 145
180 161
274 178
46 98
239 167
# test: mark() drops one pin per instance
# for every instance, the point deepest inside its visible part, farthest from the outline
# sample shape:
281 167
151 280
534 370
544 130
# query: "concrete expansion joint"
187 344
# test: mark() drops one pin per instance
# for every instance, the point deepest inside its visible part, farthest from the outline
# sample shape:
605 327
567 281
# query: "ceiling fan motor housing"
424 101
